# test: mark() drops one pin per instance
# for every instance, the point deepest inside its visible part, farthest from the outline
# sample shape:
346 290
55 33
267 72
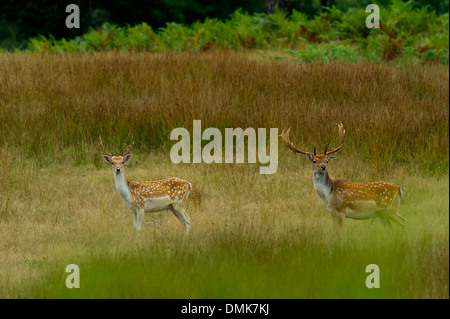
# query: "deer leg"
340 219
386 222
395 217
140 218
335 222
180 213
186 219
183 206
134 219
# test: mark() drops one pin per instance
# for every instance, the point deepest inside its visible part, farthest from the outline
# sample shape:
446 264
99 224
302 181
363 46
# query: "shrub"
406 31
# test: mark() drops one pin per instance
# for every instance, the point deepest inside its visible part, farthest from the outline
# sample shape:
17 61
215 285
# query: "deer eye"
326 161
123 162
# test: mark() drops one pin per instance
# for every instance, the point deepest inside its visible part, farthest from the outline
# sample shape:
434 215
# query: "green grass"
274 239
235 269
285 268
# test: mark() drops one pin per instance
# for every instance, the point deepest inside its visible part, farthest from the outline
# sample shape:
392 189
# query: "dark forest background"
22 19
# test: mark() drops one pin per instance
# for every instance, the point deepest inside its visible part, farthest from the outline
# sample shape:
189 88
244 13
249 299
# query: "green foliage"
406 32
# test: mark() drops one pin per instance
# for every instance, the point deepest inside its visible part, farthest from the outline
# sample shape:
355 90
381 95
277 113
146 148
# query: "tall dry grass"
54 107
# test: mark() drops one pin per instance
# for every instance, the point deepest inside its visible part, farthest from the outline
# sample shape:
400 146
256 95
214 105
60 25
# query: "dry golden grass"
55 106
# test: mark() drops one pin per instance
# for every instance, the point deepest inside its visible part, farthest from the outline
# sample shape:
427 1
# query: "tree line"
22 19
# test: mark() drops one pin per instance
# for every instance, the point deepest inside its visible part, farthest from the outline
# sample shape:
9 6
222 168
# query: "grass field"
252 235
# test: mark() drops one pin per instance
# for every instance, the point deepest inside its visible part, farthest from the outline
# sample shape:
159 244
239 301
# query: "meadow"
252 235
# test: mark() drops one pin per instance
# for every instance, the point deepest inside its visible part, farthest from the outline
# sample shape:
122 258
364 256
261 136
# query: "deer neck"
323 184
122 186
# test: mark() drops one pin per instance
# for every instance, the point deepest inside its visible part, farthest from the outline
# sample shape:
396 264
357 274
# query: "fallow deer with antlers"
350 199
149 196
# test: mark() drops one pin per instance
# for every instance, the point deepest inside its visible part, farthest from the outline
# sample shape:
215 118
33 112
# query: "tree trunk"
281 4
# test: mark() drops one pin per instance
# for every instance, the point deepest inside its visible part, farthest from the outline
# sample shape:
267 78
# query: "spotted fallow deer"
149 196
349 199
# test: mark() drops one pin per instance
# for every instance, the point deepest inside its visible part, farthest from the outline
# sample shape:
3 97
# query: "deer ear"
330 158
126 158
107 159
309 156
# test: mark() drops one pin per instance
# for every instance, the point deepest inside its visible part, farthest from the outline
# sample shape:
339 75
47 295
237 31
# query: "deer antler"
101 143
285 138
129 148
341 140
